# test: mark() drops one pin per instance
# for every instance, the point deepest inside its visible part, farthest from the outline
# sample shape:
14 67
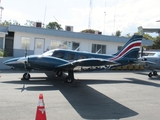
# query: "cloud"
123 15
14 15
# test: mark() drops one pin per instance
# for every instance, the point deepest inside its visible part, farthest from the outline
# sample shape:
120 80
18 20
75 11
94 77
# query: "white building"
15 39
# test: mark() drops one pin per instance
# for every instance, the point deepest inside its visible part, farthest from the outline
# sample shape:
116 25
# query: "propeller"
25 52
142 51
140 58
26 59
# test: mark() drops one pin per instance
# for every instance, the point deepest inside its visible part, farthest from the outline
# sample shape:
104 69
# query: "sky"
107 16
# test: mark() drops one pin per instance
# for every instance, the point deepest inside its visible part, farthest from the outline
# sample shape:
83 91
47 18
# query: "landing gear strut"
26 76
70 77
59 73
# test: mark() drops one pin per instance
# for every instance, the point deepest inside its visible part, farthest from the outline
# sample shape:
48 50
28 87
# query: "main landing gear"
59 74
26 76
70 77
154 73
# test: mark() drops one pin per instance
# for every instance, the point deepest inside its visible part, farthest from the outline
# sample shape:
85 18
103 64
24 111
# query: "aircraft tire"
26 76
155 73
150 74
68 80
59 73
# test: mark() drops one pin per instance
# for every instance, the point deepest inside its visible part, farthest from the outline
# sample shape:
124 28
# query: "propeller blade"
142 51
25 53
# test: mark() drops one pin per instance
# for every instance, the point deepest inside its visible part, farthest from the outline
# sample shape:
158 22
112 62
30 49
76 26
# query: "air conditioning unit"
97 32
38 24
69 28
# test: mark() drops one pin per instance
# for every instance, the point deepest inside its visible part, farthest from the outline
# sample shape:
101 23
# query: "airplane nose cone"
11 61
5 62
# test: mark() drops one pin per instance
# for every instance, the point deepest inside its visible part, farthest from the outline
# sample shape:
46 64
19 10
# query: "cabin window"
71 56
25 43
148 54
158 54
98 48
82 57
59 54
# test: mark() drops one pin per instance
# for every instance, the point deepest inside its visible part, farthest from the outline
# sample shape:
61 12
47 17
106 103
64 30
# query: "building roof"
157 30
60 33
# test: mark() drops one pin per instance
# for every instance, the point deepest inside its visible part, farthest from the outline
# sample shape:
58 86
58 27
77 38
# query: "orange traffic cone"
41 114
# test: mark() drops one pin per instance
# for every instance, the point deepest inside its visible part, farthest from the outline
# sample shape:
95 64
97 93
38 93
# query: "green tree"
9 22
88 31
128 35
118 33
148 37
54 25
1 53
156 43
29 23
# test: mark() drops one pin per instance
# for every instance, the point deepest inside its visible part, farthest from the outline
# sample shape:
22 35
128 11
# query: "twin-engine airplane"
59 60
151 60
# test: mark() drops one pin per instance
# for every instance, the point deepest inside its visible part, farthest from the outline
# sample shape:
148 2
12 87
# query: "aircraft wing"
147 62
87 62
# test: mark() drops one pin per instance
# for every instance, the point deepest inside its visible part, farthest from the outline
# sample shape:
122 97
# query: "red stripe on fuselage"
127 49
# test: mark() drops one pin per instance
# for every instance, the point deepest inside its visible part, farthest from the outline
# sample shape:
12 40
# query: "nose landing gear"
26 76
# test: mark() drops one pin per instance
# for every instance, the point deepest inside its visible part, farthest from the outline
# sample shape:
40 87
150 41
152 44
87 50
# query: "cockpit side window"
158 54
147 54
59 54
71 56
82 56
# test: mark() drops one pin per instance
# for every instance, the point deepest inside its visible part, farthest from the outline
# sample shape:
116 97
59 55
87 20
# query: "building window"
58 44
25 43
75 46
119 48
101 49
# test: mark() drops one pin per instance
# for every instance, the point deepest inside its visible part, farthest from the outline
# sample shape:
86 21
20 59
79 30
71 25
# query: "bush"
1 53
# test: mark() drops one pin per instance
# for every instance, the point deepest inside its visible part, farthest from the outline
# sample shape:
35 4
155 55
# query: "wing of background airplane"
87 62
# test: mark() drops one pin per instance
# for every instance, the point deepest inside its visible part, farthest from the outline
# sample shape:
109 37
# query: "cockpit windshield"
48 53
148 54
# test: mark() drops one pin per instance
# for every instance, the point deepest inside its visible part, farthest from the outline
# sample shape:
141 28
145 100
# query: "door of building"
39 46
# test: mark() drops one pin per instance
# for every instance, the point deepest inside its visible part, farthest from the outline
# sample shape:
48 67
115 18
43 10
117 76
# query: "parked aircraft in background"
66 60
151 60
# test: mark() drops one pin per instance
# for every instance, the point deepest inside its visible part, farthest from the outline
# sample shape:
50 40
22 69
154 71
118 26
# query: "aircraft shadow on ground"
88 102
142 82
149 78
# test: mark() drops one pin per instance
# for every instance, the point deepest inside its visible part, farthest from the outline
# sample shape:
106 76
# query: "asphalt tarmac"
105 95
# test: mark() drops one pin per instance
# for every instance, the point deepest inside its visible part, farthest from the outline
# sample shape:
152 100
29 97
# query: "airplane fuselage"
59 60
